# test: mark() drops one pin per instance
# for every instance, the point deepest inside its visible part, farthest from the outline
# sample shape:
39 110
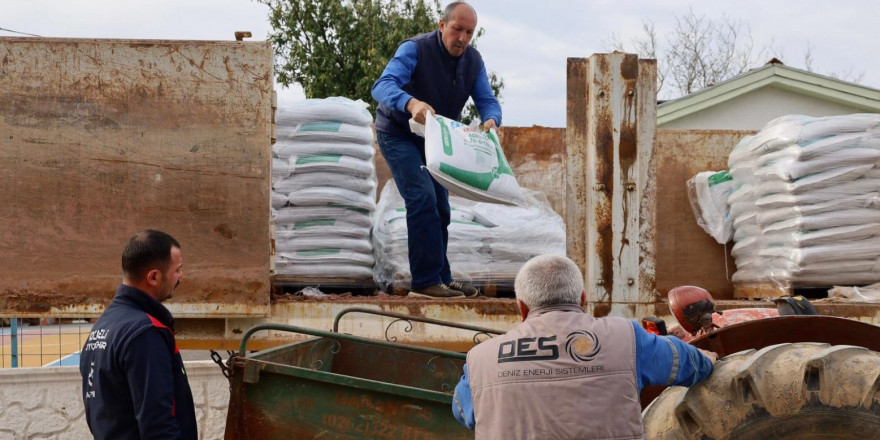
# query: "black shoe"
436 291
468 290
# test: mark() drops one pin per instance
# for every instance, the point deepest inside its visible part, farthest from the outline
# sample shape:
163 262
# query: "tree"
700 52
340 47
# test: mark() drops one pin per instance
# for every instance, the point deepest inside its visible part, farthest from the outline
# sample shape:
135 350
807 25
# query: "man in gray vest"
563 374
435 72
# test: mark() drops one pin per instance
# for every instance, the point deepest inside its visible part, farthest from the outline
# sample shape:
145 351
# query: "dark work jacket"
439 79
134 381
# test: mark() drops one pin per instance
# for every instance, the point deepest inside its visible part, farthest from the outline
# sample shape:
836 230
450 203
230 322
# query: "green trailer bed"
338 386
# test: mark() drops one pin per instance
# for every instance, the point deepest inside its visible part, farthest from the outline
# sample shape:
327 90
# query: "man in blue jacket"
434 72
134 381
562 373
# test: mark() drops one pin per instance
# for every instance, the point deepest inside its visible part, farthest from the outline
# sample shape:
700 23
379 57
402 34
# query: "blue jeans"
427 209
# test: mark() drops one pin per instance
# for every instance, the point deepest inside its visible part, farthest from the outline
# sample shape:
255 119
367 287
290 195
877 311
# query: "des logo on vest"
528 349
581 346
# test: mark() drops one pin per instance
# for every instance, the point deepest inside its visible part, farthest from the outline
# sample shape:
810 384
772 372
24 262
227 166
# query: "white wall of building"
46 403
752 111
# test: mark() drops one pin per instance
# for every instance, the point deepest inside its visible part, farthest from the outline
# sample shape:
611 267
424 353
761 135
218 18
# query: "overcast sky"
526 42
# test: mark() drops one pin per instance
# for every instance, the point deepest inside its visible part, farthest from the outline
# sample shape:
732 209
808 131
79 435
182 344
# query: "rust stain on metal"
414 306
628 146
629 68
28 302
116 122
537 157
224 231
578 189
678 155
576 104
629 119
604 211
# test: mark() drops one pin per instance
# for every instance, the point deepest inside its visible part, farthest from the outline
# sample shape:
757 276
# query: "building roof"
777 75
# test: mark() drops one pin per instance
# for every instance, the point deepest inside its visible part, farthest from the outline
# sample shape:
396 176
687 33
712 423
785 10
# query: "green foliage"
340 47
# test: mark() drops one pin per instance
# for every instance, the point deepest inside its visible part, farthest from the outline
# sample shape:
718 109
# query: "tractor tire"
787 391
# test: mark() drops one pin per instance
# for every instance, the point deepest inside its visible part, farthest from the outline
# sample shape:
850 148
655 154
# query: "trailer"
102 138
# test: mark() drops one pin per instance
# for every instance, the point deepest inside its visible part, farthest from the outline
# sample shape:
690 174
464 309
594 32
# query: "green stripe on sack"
318 252
503 166
476 180
318 158
348 207
445 137
330 126
312 223
719 177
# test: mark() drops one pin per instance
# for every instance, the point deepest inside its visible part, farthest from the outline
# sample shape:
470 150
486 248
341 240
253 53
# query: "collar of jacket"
145 302
555 308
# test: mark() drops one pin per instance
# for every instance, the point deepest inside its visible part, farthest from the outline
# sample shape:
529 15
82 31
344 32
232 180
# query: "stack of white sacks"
487 241
806 201
323 189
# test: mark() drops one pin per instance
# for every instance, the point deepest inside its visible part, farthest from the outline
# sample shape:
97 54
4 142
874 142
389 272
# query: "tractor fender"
760 333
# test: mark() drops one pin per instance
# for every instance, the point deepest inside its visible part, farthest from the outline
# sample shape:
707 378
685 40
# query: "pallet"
282 285
493 288
776 290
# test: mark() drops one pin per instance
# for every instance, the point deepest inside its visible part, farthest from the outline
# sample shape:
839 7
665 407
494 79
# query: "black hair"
147 250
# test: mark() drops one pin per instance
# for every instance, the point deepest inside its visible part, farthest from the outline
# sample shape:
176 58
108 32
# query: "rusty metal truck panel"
343 387
102 138
689 256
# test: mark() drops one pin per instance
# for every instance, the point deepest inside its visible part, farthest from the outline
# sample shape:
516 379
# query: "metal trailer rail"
409 319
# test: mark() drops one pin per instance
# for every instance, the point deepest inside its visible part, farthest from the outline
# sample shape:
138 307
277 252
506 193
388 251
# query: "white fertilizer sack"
327 227
279 200
297 182
708 192
284 267
360 245
336 108
294 214
469 163
326 195
286 148
329 255
325 131
331 163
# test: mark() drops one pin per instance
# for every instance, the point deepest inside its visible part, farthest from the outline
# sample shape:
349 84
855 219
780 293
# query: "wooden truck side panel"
102 138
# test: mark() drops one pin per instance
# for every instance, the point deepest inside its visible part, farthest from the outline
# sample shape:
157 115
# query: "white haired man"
563 374
435 72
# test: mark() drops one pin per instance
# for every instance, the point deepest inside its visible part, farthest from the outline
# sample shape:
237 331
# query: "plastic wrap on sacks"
487 241
323 205
805 204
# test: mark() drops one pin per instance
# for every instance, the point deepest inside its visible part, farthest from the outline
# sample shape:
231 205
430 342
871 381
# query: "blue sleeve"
484 99
387 89
667 360
148 368
462 403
